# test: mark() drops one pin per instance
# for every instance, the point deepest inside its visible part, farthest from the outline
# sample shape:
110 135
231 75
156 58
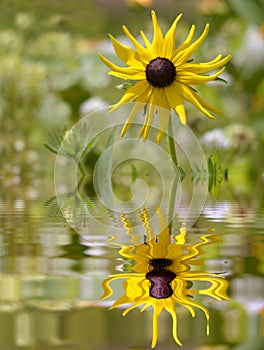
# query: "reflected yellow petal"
180 238
108 290
169 306
137 286
138 303
155 324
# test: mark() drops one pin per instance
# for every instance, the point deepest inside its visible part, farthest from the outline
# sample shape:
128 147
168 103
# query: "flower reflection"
162 276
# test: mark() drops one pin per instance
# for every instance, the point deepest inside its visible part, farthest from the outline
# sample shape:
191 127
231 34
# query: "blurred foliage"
43 81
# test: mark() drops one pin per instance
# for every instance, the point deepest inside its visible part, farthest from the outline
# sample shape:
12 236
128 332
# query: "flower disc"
160 72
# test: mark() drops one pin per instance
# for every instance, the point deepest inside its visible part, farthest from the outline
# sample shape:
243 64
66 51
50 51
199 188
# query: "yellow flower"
163 74
162 276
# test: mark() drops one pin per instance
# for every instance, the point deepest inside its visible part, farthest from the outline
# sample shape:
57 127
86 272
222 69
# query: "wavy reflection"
162 276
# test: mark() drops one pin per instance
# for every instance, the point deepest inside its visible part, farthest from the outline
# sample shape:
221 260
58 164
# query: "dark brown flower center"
160 263
160 279
160 283
160 72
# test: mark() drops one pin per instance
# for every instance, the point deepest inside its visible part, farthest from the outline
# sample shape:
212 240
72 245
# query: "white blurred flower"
240 135
216 139
92 104
250 56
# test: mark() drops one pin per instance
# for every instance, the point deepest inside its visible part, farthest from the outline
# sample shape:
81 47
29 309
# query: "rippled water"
51 281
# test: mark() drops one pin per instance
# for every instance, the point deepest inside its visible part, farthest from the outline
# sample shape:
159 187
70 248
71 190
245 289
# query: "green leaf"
215 174
134 173
221 79
182 173
50 148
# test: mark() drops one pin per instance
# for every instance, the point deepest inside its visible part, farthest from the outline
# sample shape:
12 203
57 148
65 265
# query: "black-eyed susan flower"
163 74
162 277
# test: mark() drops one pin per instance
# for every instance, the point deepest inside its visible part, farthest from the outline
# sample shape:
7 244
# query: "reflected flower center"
160 283
160 72
160 279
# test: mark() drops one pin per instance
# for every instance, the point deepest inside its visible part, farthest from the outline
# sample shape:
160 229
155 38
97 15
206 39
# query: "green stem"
174 186
172 144
172 203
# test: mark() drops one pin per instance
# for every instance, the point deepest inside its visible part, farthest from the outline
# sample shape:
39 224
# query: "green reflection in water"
46 304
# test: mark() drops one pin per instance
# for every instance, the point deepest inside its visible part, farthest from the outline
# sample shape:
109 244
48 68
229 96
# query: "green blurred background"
50 75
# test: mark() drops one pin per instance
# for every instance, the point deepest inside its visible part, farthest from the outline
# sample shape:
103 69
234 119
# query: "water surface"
50 283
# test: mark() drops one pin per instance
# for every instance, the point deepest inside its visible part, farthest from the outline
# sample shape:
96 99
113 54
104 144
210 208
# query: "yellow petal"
159 246
184 45
169 306
200 68
206 105
195 79
169 39
129 75
149 232
134 239
142 262
163 222
142 51
127 251
126 53
188 94
138 303
217 289
179 286
147 305
139 91
185 55
124 72
163 113
150 114
107 289
157 42
157 309
180 238
146 41
175 101
135 109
